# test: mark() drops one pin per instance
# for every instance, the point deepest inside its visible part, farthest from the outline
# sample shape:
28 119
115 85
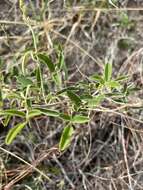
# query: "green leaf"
61 61
39 77
65 117
115 94
121 78
74 98
125 44
124 20
65 70
12 112
24 81
1 63
108 71
25 60
45 59
66 137
113 84
119 100
34 112
48 112
95 101
13 132
97 78
80 119
1 97
15 71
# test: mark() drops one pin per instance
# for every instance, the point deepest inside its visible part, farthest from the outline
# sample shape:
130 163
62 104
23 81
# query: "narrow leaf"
66 137
12 112
48 112
34 112
39 77
45 59
122 78
113 84
1 96
108 71
61 61
97 78
14 132
74 97
80 119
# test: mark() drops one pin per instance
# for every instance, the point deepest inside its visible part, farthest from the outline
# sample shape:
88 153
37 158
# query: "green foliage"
66 137
43 91
79 119
24 81
14 132
48 112
12 112
97 78
107 72
126 22
33 113
45 59
74 98
125 44
39 77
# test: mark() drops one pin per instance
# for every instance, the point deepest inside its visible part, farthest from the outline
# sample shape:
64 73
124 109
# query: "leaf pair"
106 76
53 113
68 131
32 113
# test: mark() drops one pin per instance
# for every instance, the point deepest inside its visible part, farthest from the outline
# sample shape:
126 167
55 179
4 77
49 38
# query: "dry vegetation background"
107 154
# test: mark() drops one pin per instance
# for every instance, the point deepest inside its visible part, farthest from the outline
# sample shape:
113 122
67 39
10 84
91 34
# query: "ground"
107 152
